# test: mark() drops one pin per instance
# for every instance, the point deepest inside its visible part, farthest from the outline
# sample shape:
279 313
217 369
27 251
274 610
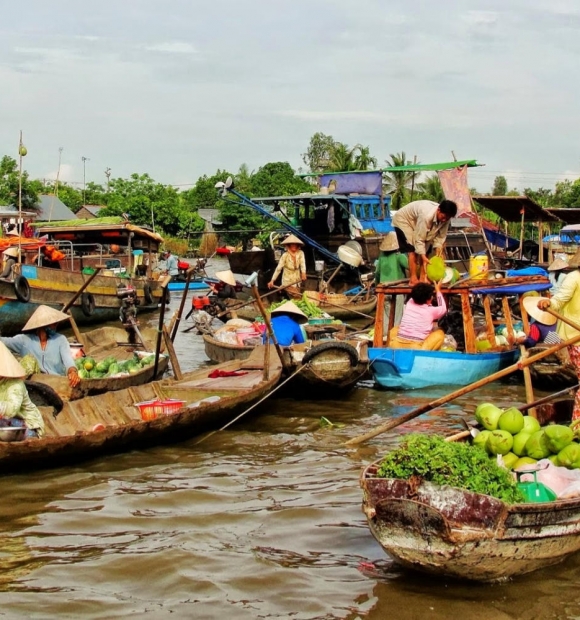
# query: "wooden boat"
110 422
194 285
85 245
328 366
451 532
101 343
405 369
553 372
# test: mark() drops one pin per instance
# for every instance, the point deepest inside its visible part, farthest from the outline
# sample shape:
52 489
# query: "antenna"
108 175
84 160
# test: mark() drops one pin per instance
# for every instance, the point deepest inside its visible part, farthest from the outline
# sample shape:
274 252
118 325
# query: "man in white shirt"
420 225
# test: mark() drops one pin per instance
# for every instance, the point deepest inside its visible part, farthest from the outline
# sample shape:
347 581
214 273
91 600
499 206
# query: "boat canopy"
510 208
569 216
470 163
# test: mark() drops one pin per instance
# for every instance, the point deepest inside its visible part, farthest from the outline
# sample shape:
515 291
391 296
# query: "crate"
152 408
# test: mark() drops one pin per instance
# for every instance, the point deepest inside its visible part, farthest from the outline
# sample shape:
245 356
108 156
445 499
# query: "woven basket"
335 298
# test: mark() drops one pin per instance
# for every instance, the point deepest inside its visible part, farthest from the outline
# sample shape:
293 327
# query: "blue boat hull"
193 286
408 369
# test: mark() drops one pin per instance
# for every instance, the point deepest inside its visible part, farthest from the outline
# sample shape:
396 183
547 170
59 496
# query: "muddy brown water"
260 521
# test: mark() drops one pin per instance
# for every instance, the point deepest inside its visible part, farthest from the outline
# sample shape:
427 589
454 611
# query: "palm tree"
398 183
341 158
364 159
430 189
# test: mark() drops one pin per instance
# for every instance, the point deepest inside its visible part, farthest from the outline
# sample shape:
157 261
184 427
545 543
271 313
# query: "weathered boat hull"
73 435
408 369
455 533
554 372
330 367
55 287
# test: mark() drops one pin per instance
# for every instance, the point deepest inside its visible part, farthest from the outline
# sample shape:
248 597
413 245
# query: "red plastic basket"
152 408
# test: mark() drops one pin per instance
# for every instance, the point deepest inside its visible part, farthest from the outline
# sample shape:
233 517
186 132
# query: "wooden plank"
468 328
489 321
172 354
379 321
524 315
507 315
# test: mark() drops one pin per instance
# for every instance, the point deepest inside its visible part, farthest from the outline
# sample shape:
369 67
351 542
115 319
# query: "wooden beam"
507 315
379 320
468 329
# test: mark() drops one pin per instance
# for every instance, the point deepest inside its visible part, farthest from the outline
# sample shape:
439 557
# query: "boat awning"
97 227
470 163
569 216
509 208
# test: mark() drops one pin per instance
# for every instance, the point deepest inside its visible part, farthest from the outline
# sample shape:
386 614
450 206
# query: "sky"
180 88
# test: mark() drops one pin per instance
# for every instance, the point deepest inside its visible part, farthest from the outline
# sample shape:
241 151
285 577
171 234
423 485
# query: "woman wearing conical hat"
292 264
10 259
557 271
16 408
286 320
50 349
225 289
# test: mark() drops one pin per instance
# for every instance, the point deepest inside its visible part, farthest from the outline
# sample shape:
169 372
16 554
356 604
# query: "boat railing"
74 250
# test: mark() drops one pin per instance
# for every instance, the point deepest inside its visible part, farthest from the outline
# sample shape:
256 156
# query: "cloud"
172 47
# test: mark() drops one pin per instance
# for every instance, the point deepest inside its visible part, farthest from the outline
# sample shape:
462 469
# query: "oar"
393 423
188 273
82 289
164 284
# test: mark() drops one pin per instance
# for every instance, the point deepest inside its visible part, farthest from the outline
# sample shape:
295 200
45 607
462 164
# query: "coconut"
569 455
520 441
500 442
510 459
554 458
537 446
531 425
558 437
481 438
524 461
435 269
487 414
511 420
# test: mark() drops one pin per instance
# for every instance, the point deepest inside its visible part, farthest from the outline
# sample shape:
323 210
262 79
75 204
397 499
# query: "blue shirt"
172 268
286 330
56 359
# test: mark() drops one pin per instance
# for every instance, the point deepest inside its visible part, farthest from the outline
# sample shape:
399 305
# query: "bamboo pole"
175 326
164 284
387 426
528 383
172 354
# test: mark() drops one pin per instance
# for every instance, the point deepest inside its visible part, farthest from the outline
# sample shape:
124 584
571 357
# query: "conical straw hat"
292 239
389 242
558 264
43 317
531 306
10 368
291 308
11 252
226 276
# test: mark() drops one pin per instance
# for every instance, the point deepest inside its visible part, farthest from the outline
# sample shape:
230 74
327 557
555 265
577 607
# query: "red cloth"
214 374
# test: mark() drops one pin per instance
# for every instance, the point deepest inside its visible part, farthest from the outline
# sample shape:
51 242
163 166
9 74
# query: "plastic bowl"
12 433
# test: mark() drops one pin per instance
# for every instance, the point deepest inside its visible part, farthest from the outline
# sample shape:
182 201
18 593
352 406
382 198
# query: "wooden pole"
269 327
76 330
528 383
164 284
172 355
81 290
188 274
387 426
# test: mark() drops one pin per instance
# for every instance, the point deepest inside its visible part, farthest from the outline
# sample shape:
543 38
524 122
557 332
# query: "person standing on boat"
16 408
420 225
416 328
286 321
292 264
567 302
392 265
557 271
50 349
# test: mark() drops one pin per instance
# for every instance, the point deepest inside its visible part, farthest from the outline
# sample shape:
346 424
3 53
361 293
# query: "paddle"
393 423
164 284
188 273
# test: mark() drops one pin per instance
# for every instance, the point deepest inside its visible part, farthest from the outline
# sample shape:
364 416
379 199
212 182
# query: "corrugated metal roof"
509 208
51 208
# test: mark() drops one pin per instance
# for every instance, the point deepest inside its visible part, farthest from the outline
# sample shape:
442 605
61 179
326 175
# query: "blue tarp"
500 240
514 289
527 271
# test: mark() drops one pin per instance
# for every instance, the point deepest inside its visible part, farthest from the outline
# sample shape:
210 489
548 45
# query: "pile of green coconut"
521 441
437 271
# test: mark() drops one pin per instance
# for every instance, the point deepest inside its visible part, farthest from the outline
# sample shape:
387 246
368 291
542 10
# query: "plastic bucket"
478 267
318 265
349 256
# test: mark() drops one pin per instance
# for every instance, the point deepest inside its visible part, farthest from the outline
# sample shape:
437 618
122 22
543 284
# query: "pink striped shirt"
417 320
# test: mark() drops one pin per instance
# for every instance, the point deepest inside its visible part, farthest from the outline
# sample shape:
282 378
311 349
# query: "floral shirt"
292 267
15 403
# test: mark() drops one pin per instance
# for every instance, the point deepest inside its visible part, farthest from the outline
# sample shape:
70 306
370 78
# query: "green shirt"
391 267
15 403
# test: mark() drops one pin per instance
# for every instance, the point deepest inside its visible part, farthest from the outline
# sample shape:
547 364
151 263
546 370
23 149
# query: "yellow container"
478 267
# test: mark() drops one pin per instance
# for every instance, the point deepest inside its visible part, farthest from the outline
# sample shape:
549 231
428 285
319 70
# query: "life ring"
332 344
87 304
148 294
22 289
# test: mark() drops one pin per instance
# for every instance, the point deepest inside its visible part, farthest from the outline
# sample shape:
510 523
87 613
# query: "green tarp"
470 163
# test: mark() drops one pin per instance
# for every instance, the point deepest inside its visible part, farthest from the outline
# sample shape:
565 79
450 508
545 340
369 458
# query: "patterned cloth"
456 187
574 352
292 267
15 403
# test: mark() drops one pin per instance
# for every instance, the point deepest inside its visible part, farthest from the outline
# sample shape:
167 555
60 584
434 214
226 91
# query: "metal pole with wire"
84 160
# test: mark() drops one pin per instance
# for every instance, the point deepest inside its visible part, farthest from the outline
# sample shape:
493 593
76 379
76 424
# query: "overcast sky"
179 88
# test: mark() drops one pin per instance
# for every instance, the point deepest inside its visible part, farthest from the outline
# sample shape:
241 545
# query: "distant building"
87 212
51 209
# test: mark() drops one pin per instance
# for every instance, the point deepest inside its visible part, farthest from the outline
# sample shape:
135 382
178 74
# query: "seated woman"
16 408
416 328
286 320
543 327
10 259
225 289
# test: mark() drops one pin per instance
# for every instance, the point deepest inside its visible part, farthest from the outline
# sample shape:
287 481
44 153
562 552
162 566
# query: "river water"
262 520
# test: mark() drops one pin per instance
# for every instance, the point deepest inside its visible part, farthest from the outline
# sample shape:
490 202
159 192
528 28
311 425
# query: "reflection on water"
260 521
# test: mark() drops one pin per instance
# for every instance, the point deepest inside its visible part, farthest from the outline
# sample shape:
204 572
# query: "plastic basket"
151 409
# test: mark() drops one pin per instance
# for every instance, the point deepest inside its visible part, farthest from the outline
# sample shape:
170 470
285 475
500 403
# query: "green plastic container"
535 492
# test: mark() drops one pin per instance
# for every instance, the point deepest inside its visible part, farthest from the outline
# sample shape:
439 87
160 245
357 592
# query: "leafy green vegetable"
308 307
456 464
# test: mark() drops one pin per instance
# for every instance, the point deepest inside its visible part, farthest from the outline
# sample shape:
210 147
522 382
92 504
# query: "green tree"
317 156
430 189
500 186
71 196
397 183
542 196
363 159
9 182
277 179
342 158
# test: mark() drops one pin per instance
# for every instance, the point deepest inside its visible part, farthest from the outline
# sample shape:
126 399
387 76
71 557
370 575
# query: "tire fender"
88 304
332 344
147 293
22 288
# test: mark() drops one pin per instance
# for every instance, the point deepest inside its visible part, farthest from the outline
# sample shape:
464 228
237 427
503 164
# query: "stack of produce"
89 368
310 309
521 441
